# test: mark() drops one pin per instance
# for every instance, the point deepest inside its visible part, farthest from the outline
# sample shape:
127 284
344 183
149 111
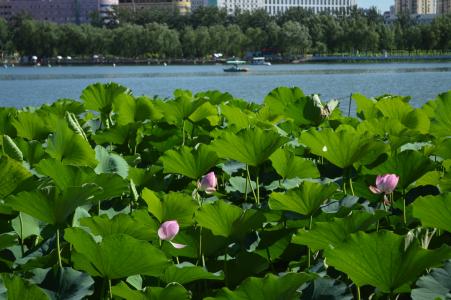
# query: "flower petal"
375 190
177 246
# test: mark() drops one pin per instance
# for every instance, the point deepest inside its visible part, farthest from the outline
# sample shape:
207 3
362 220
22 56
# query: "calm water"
24 86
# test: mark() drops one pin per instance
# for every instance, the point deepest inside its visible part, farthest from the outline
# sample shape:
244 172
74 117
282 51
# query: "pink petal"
375 190
168 230
177 246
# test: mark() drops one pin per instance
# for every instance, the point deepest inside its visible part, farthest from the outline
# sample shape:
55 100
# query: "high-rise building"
443 7
59 11
274 7
182 6
418 7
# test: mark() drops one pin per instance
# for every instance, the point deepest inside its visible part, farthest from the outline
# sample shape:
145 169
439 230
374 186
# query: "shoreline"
193 62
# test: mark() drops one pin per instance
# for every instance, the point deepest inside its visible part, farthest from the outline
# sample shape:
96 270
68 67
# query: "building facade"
443 7
58 11
183 6
417 7
275 7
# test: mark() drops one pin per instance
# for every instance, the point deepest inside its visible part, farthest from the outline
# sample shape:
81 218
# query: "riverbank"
274 60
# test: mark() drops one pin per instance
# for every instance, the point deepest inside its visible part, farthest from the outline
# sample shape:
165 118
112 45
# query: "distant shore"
276 60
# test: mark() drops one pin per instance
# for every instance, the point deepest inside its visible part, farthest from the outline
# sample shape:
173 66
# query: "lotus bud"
385 184
208 183
168 230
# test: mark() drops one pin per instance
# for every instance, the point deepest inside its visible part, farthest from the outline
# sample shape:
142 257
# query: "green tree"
295 38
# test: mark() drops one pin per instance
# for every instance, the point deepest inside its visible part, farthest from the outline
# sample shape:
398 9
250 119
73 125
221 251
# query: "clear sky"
383 5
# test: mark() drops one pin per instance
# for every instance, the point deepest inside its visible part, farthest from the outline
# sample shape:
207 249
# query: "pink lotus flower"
385 184
167 232
208 183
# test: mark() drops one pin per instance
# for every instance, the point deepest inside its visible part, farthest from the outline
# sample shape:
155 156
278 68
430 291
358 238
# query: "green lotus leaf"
304 200
7 114
330 234
228 220
271 287
288 165
70 148
110 163
10 148
434 211
138 225
116 256
67 283
327 288
32 151
12 174
171 291
131 110
235 117
273 244
51 206
366 108
205 111
61 106
173 206
294 105
192 163
26 226
441 120
177 110
435 285
381 260
31 125
64 176
101 97
251 146
443 149
344 146
18 288
409 165
7 240
186 272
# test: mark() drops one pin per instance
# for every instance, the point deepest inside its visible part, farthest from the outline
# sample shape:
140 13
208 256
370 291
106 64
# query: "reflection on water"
23 86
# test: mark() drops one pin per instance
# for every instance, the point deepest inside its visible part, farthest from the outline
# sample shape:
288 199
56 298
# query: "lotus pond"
211 197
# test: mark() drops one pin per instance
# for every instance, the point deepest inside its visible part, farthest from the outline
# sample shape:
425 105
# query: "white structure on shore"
274 7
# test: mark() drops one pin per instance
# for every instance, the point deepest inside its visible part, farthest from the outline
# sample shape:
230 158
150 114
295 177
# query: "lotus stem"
350 185
308 248
344 187
225 267
258 189
358 292
245 190
58 248
250 183
21 234
110 291
201 255
404 205
183 133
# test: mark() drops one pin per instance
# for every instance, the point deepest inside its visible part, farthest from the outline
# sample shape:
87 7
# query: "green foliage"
116 256
293 190
251 146
434 211
383 260
192 163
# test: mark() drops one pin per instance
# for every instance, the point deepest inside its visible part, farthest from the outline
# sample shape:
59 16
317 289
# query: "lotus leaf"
381 260
434 211
116 256
192 163
304 200
251 146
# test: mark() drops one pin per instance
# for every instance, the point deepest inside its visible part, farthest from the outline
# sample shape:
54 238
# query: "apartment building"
418 7
183 6
443 7
58 11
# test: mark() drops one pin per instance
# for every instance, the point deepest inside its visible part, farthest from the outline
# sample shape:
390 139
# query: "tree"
295 38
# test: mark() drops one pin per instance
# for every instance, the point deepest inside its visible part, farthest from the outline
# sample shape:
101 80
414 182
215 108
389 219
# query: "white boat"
235 67
260 61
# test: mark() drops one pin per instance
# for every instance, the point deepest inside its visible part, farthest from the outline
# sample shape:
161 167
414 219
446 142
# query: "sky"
383 5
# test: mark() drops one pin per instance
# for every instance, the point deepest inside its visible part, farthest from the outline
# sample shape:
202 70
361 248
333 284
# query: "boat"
235 66
260 61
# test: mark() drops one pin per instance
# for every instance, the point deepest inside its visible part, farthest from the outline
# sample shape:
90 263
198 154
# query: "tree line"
166 34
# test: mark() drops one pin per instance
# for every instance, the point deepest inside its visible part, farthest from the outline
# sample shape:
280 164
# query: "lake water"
25 86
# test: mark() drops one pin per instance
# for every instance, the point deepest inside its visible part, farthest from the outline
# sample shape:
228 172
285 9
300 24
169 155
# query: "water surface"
24 86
